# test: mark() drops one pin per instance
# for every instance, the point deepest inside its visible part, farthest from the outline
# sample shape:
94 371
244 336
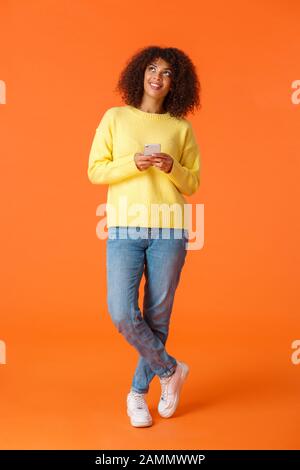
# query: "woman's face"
158 72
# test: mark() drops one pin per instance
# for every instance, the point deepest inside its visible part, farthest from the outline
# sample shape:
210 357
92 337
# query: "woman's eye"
167 71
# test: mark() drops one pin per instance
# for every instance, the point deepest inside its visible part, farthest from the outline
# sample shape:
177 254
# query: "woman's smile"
155 86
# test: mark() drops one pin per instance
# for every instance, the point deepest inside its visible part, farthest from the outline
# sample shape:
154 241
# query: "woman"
147 226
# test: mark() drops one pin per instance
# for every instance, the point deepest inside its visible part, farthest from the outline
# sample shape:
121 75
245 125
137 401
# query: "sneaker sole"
138 424
183 377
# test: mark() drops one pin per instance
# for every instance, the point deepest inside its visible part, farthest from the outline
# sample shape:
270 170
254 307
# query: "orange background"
236 310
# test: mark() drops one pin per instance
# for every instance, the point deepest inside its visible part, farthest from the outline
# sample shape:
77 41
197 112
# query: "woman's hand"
162 161
142 161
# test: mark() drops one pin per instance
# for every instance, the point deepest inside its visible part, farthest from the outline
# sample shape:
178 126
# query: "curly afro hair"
184 94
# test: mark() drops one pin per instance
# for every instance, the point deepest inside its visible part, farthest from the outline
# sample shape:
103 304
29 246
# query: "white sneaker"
137 409
170 390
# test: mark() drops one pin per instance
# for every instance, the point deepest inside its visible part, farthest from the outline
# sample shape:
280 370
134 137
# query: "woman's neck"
151 107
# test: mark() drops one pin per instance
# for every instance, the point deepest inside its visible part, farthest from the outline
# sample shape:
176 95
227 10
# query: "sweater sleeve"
185 174
102 167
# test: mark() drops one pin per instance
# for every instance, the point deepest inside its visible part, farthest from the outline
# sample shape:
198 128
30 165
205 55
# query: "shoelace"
139 399
164 385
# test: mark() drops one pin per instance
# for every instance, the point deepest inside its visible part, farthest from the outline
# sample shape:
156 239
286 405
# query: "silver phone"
151 148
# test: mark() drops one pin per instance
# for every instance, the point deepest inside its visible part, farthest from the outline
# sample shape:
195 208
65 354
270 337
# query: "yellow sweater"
148 198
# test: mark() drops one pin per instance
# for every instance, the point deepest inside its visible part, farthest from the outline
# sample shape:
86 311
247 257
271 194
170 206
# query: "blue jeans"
129 254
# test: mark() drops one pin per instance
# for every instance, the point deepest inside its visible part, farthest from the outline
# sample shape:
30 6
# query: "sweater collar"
145 115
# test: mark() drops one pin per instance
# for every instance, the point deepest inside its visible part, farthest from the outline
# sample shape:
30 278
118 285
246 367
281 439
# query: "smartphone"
151 148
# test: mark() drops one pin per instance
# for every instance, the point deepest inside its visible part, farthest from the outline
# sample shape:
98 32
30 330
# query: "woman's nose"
157 77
